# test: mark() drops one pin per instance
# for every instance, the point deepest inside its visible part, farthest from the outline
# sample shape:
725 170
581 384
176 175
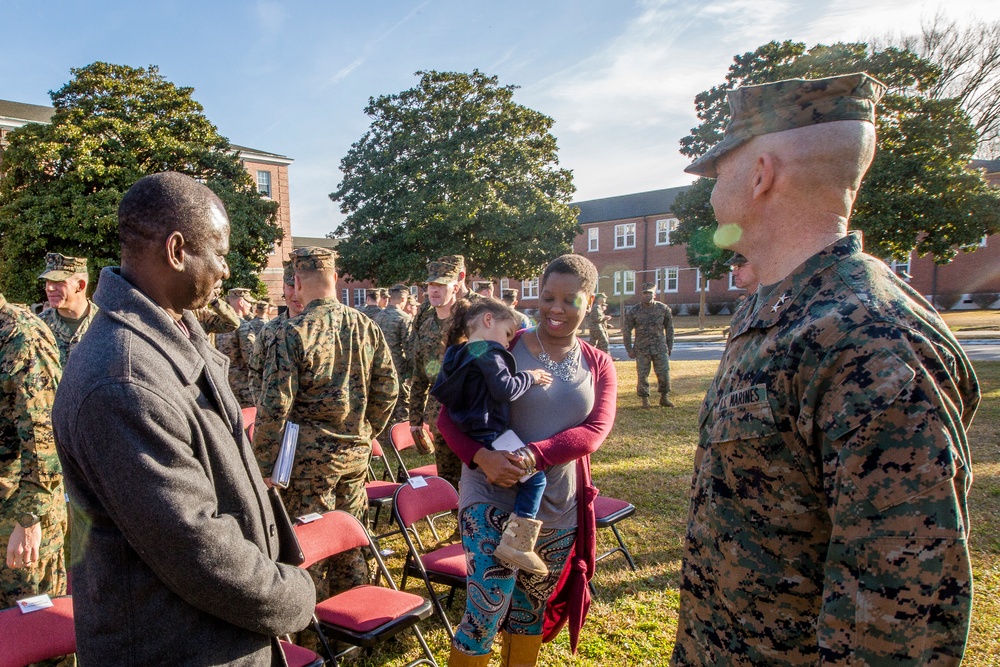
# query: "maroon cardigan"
570 600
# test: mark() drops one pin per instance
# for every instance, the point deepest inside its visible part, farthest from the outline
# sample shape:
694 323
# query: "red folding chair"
365 615
38 635
297 656
249 417
444 566
609 511
401 439
380 491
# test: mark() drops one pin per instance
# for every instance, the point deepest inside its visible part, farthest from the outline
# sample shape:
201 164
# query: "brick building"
269 171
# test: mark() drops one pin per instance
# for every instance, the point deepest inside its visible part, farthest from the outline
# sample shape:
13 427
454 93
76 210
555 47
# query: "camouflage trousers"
48 576
342 490
661 365
600 340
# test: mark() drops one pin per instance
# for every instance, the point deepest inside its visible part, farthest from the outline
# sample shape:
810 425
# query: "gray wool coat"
173 536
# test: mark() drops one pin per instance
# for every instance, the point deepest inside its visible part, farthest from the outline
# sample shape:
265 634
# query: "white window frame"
359 297
626 280
901 267
665 276
264 182
593 239
697 282
345 296
625 236
664 227
732 283
529 289
504 284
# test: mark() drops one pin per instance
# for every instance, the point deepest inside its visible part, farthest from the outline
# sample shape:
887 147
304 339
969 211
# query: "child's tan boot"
517 545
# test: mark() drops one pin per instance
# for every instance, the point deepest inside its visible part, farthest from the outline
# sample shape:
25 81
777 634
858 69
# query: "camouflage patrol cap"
601 295
445 269
649 287
737 260
288 272
241 293
60 267
483 284
509 294
398 288
313 258
790 104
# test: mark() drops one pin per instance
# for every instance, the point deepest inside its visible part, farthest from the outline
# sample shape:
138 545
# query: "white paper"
509 442
417 482
36 603
309 518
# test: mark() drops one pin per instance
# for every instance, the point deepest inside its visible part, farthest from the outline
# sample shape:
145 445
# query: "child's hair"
466 311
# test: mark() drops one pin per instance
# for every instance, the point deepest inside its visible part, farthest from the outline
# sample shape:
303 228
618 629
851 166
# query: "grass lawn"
648 461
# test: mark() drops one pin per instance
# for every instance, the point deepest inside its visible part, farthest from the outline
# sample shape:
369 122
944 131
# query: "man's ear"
763 175
174 247
590 302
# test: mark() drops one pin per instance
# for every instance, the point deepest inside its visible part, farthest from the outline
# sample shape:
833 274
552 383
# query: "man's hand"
631 354
22 550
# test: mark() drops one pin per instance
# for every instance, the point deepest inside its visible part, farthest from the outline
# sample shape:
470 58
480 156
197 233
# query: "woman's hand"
500 468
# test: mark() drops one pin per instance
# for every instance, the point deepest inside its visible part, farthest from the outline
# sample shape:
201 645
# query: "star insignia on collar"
781 301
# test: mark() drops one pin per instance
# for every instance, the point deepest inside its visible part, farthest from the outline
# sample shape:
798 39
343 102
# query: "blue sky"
618 76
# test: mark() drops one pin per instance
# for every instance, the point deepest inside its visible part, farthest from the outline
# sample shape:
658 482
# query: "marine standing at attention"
654 341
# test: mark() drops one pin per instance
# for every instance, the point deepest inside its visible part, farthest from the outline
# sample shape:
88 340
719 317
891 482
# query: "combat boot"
645 401
519 650
517 545
665 402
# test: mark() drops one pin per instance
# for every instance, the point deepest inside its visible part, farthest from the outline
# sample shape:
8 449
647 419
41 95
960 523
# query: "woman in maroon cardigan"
561 425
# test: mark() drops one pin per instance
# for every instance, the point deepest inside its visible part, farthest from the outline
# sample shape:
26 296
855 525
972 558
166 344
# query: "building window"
359 297
663 229
593 238
732 282
264 183
529 289
345 294
625 236
666 279
901 269
624 280
698 280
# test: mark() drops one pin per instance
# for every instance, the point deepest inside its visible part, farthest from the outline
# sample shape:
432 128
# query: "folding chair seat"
365 615
444 566
609 511
38 635
297 656
401 439
249 417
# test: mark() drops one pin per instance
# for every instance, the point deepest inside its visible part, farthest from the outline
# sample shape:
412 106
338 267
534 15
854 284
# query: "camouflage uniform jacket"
395 326
255 365
597 321
30 474
230 344
66 338
218 317
654 329
428 352
828 520
329 371
370 310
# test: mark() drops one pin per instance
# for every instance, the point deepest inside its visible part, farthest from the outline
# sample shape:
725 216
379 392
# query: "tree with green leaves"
919 192
453 166
61 183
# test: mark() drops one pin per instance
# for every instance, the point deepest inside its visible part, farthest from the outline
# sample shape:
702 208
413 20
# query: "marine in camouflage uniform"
509 297
654 341
67 331
265 336
427 350
31 488
828 521
246 337
237 346
597 321
371 307
395 325
329 371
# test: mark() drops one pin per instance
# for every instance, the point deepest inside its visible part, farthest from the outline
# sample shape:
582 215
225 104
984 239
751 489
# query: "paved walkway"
711 350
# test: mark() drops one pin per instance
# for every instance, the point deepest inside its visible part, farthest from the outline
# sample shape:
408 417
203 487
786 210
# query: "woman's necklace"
565 370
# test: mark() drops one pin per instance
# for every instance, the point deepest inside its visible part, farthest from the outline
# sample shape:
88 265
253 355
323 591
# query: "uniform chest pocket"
754 472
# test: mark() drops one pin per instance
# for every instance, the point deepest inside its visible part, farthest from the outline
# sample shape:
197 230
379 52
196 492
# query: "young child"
477 382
